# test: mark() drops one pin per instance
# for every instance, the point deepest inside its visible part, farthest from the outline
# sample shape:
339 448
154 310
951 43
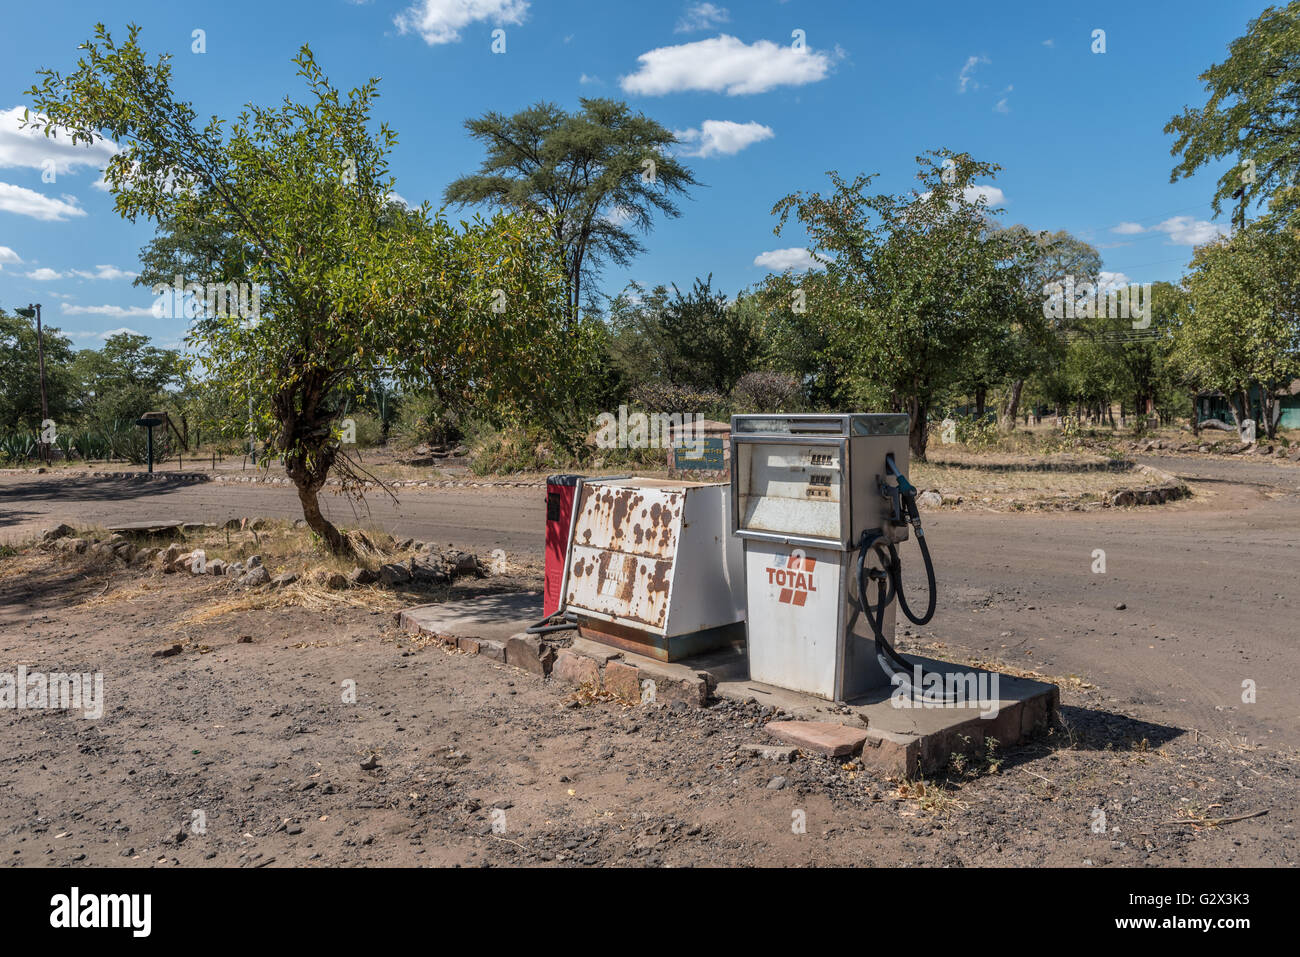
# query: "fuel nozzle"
902 496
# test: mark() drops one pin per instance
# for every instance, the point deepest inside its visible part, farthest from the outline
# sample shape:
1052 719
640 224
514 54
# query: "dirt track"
257 737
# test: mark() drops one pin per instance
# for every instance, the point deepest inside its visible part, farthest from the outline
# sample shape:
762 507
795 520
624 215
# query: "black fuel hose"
912 515
893 664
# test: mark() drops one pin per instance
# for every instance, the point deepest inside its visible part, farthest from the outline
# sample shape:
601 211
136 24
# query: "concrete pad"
492 617
910 738
822 737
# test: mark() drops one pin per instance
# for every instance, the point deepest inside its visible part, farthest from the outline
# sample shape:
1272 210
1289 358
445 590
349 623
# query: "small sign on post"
149 421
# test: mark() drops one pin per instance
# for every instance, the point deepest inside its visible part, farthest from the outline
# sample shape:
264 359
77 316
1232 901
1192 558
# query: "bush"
765 391
669 398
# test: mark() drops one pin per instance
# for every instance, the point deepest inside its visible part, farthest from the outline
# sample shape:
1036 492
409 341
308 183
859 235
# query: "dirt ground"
480 765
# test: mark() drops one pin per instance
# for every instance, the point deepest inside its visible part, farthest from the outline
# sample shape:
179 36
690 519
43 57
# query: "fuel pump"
821 503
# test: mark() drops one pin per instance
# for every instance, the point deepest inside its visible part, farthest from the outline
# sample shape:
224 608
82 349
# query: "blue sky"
1078 134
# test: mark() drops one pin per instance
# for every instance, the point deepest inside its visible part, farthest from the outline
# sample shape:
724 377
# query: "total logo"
793 574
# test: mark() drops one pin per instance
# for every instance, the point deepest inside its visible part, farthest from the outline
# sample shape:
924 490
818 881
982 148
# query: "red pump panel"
559 517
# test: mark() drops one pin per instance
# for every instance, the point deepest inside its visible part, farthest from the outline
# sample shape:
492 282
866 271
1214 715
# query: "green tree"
20 390
592 176
1032 344
1252 116
1242 324
349 290
124 379
921 281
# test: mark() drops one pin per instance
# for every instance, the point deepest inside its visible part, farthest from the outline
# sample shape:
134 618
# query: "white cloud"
27 202
1001 106
966 79
440 21
619 216
1180 230
991 194
101 335
796 257
7 255
1107 281
725 64
1189 231
1049 43
723 137
31 148
105 272
44 274
702 16
585 79
117 312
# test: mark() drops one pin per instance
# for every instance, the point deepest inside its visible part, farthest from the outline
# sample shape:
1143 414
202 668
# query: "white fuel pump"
820 502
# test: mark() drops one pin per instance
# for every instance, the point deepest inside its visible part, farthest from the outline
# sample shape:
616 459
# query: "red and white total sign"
794 577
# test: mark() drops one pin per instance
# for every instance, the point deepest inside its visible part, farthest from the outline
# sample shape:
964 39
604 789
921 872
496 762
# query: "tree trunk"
917 435
980 395
308 495
1196 418
1012 406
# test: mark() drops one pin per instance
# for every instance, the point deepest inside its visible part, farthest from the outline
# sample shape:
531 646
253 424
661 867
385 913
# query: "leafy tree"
350 290
124 379
921 280
20 390
1242 327
1031 344
1253 116
801 342
593 176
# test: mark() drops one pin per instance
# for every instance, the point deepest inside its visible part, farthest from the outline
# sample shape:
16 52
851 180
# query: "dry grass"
1005 477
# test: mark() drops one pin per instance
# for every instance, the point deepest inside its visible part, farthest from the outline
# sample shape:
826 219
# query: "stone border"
1165 488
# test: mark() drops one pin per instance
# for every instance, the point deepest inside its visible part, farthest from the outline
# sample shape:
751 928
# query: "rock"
77 545
257 576
466 563
529 653
167 652
57 532
394 574
770 752
930 499
254 561
776 784
1121 607
424 571
282 580
101 550
370 763
823 737
362 576
215 567
336 581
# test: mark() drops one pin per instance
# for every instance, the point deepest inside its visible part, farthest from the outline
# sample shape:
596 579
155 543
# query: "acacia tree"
1253 116
592 176
922 281
350 289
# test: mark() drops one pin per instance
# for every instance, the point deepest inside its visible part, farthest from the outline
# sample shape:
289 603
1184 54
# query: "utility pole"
35 310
